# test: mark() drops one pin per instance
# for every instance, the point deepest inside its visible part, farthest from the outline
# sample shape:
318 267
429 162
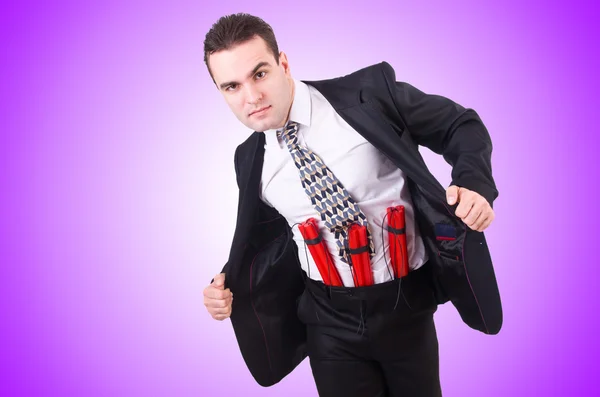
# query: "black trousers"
373 341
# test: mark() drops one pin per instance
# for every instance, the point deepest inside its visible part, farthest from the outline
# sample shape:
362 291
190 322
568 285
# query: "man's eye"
231 87
260 75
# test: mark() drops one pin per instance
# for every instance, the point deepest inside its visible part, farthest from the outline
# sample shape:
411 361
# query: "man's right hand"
217 299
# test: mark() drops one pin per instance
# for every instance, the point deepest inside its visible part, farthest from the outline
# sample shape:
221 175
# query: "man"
356 135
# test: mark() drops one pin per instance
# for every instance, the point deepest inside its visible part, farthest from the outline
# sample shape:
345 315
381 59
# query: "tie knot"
289 134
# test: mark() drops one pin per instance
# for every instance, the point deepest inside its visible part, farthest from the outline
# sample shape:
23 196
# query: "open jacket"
263 270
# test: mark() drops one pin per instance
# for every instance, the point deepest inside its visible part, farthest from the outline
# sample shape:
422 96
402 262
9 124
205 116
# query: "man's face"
256 88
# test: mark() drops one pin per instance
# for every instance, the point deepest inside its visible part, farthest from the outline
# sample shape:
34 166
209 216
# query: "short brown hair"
231 30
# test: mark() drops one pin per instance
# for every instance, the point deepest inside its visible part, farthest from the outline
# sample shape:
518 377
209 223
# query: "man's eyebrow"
258 66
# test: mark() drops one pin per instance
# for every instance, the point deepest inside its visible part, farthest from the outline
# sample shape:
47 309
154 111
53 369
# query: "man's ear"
283 61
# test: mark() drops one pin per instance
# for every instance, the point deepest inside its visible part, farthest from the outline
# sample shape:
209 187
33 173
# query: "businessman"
342 151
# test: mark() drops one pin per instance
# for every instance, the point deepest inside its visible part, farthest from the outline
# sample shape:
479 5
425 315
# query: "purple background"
118 191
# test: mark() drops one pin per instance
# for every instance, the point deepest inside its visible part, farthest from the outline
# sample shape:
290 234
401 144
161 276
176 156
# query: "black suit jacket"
263 270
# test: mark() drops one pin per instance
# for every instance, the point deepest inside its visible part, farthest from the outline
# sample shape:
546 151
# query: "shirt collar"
300 111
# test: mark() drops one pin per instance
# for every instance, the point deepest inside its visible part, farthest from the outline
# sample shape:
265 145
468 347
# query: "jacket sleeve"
449 129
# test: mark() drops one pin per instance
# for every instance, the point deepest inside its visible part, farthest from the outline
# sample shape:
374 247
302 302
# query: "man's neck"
287 117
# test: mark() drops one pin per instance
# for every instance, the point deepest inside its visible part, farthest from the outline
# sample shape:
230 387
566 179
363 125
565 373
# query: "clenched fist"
473 208
217 299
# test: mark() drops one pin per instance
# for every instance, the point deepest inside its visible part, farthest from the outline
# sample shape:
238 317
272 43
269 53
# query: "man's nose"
253 94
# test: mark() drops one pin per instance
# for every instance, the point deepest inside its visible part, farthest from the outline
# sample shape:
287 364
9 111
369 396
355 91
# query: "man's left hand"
473 208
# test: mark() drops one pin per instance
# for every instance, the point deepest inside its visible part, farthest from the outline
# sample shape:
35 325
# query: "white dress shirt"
370 178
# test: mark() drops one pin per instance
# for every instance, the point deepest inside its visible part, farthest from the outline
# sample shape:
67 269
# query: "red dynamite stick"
357 240
393 242
397 240
320 253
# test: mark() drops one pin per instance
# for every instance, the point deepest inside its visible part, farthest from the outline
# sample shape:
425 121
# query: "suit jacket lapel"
249 167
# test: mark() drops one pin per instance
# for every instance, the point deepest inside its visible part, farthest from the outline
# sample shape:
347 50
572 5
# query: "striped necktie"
327 194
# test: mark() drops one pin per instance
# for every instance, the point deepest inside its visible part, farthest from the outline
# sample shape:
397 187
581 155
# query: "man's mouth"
259 111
